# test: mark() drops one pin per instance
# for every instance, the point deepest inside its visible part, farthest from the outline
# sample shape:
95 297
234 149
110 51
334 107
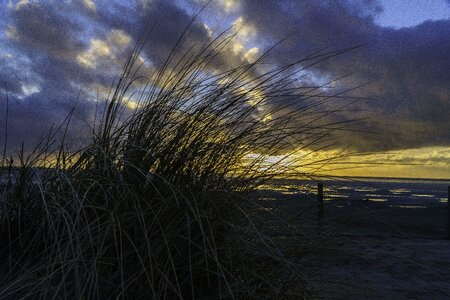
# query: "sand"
356 262
385 268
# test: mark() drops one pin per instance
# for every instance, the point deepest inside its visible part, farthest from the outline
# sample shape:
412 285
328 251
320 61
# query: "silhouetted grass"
155 206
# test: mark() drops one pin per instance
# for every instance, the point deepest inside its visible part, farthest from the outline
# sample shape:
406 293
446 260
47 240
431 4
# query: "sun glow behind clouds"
241 44
30 89
97 50
428 162
19 4
11 32
89 4
116 41
229 6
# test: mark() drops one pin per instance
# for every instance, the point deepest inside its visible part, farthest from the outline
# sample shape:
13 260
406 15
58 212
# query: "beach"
363 249
385 268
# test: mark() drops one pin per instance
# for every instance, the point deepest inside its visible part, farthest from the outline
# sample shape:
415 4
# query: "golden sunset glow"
428 162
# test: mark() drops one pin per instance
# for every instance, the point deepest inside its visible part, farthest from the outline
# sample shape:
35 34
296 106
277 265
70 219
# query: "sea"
391 191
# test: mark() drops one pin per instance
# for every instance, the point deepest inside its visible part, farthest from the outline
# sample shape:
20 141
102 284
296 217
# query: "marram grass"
154 207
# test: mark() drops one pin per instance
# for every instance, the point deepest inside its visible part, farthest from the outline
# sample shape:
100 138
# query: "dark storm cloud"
40 74
46 28
410 67
162 22
44 74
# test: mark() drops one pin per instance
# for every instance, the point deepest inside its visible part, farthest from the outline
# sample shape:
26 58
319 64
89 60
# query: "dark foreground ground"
359 251
386 268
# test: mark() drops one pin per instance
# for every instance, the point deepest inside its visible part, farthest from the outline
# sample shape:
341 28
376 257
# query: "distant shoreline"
394 178
371 178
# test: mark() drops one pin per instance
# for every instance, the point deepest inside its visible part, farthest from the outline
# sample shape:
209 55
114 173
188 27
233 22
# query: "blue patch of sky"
409 13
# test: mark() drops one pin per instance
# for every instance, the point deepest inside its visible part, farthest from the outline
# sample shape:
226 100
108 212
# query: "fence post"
448 213
319 203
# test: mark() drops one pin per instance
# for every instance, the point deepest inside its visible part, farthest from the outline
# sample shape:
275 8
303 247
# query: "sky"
402 13
52 50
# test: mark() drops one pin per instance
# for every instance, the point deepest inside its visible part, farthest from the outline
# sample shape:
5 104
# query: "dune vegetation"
155 206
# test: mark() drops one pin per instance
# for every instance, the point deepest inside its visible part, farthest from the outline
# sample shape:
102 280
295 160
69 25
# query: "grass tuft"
156 206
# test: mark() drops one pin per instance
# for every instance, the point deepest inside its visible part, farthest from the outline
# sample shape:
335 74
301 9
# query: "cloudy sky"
52 50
